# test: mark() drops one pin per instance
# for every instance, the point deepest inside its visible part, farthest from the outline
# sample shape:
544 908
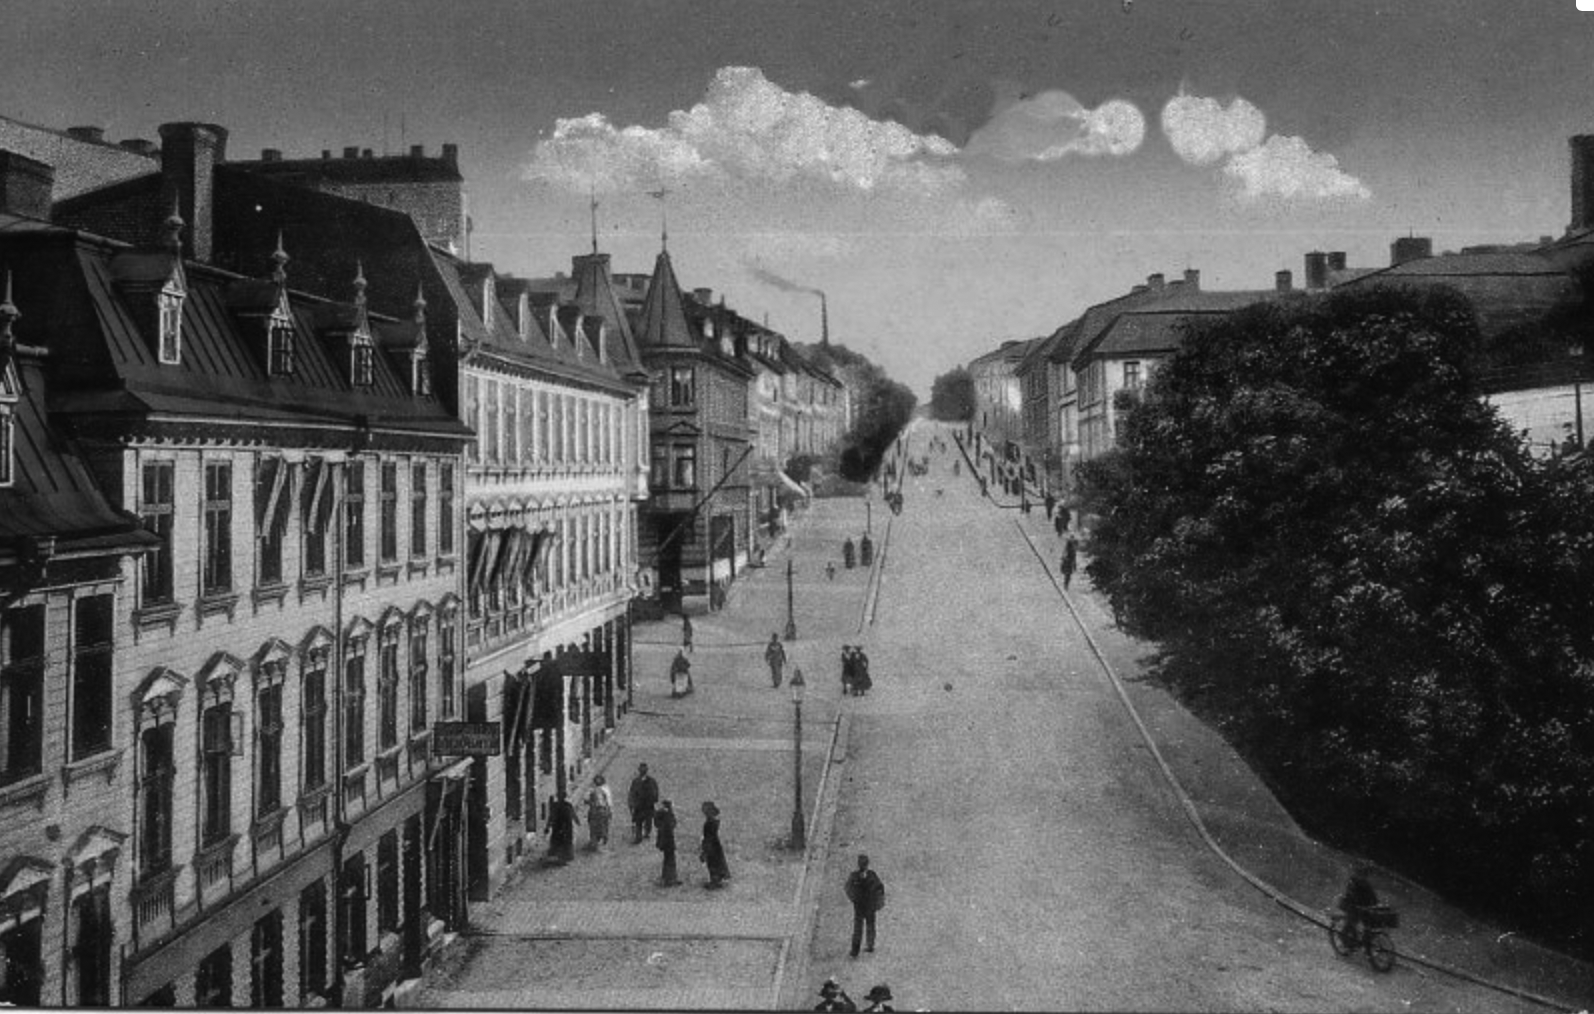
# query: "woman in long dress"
712 851
561 830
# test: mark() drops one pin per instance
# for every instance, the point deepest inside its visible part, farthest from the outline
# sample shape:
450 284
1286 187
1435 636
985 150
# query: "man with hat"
833 998
879 998
868 896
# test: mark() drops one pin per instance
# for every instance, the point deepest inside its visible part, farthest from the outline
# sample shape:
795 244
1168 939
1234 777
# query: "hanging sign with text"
466 739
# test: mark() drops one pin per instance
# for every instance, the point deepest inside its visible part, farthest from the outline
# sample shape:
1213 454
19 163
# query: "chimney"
366 153
417 151
1283 281
141 145
96 134
451 154
1336 260
1409 248
326 153
1155 282
824 321
1317 270
1192 278
704 296
1137 290
1582 181
351 151
26 186
190 153
271 154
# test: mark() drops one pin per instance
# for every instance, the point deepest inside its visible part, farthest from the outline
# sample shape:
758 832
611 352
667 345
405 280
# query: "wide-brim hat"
879 993
711 809
830 986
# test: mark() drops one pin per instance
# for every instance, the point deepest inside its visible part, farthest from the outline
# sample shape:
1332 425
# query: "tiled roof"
596 295
664 323
376 169
1156 327
1508 263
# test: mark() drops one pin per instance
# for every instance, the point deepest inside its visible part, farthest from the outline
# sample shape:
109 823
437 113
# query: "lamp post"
791 616
868 517
799 831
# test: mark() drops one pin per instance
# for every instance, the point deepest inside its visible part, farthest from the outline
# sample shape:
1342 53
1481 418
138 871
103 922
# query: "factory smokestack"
824 321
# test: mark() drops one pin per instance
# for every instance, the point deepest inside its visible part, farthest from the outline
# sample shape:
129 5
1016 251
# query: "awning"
790 487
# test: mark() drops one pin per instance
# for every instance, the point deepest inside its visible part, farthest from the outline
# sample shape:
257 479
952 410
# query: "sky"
950 174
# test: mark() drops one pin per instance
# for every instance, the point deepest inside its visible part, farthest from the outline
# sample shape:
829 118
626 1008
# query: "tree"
1358 572
884 407
952 396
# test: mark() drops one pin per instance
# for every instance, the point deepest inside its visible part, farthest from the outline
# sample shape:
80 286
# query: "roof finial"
420 304
359 283
174 226
592 197
279 261
8 314
664 217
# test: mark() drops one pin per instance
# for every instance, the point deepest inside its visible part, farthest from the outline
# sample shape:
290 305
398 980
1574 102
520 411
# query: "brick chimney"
190 153
1582 181
1317 270
451 154
26 186
351 151
1154 282
1283 281
141 145
271 154
1336 260
95 134
1409 248
1192 278
704 296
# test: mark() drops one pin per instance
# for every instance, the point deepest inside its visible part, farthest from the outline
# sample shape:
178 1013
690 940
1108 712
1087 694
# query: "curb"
1193 814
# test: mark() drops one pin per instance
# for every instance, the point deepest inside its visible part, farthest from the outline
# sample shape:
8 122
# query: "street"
1035 854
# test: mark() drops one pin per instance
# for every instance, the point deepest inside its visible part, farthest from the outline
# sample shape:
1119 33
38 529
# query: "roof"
354 171
663 322
1506 288
595 294
1157 327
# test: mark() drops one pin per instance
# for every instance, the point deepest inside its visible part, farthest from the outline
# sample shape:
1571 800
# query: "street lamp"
791 616
868 522
799 832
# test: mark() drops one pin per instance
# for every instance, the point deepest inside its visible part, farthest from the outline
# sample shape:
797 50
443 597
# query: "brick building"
81 158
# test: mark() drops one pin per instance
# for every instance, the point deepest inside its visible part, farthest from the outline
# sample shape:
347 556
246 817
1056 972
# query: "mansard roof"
596 296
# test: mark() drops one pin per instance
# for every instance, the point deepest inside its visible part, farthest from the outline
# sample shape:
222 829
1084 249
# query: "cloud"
1287 168
1203 132
1053 124
749 129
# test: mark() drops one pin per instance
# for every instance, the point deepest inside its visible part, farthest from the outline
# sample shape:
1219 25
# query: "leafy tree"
884 407
952 396
1358 572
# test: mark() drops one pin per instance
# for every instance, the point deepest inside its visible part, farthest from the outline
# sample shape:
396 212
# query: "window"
468 413
93 618
213 984
420 376
445 509
156 509
1132 376
387 883
354 703
490 423
418 508
314 708
681 386
317 512
354 515
507 426
446 662
218 528
583 445
312 941
6 445
265 962
216 773
661 466
543 426
352 896
281 351
362 361
387 681
156 777
21 692
268 718
418 670
92 951
685 466
389 512
22 974
171 325
272 498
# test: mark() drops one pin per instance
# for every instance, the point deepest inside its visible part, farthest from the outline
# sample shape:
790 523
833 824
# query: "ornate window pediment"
156 699
93 857
359 629
319 639
24 886
219 675
271 661
422 613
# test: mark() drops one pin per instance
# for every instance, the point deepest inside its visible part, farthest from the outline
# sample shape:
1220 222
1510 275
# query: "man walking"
868 896
686 633
775 656
1070 558
664 820
642 798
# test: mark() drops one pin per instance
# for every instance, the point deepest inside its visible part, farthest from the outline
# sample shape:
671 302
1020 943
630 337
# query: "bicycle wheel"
1380 950
1336 935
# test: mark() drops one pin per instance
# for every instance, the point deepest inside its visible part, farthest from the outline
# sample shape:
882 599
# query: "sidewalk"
601 933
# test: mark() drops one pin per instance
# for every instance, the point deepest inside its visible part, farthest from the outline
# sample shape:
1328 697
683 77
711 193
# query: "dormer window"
7 423
170 348
362 360
282 351
420 375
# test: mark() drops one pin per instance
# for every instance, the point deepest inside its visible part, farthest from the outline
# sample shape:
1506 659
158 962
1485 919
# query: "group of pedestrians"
855 681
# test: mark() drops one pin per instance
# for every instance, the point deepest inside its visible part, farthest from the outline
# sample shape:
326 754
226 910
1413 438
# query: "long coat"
561 829
712 852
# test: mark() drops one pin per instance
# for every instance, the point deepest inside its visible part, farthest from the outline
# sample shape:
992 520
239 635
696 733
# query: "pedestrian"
600 811
879 998
712 852
1060 523
847 670
1051 505
680 675
1065 515
775 656
1070 558
868 896
861 683
686 632
562 823
830 570
642 798
833 998
664 822
849 555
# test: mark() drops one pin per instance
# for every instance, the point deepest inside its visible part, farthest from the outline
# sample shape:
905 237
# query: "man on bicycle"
1356 899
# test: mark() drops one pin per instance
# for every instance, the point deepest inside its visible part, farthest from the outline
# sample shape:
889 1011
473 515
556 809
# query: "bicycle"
1371 937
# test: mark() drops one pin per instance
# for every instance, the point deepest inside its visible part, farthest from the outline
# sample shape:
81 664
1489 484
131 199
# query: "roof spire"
359 283
174 226
8 314
420 304
279 260
592 197
664 217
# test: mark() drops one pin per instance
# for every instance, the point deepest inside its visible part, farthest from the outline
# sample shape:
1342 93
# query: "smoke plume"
769 277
